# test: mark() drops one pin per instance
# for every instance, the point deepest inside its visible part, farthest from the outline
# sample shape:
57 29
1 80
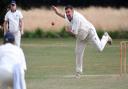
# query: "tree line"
80 3
28 4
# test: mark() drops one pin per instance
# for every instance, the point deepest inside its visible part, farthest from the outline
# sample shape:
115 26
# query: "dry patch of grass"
101 18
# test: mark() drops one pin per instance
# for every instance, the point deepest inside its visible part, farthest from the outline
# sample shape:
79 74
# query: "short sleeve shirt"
13 20
11 55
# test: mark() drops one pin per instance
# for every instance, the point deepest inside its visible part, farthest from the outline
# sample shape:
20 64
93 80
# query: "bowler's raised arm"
56 10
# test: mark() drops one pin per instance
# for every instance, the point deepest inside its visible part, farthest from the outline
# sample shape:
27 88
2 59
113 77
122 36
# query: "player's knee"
77 52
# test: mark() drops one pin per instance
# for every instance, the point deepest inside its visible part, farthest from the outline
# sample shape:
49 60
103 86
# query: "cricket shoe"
77 75
109 38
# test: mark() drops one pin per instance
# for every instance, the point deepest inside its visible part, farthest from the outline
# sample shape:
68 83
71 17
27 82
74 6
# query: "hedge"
40 33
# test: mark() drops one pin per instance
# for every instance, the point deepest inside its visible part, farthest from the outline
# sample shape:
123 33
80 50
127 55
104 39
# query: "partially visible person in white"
12 64
84 32
14 22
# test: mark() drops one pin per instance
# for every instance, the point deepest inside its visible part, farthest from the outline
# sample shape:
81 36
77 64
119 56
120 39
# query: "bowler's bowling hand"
67 28
55 9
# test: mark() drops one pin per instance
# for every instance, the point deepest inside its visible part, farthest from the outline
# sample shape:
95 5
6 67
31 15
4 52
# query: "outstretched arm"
56 10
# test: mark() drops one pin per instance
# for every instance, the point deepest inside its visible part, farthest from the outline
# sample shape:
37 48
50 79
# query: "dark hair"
69 7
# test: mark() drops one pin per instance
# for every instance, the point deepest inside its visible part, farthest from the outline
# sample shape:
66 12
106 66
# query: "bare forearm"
21 26
56 10
60 14
5 26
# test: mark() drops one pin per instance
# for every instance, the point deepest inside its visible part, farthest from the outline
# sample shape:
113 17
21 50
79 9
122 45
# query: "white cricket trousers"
81 44
17 36
5 77
14 78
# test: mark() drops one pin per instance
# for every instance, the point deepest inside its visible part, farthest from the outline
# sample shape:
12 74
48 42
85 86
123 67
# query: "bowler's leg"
79 52
99 44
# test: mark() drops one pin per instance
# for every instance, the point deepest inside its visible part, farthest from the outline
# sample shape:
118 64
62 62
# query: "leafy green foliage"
39 33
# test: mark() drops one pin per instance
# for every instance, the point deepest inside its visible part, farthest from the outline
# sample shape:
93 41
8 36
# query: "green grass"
51 62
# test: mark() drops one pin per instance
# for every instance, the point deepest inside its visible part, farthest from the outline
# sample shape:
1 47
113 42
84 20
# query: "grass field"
51 65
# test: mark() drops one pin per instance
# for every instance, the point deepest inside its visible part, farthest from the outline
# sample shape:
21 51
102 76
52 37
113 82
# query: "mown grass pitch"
51 65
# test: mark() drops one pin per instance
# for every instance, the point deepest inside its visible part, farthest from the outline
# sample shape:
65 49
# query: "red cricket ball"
52 23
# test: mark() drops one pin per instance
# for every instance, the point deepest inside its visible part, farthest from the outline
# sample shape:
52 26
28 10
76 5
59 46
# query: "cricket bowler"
13 22
12 64
84 32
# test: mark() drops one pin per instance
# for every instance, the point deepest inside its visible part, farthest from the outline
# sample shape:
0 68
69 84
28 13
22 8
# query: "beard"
69 18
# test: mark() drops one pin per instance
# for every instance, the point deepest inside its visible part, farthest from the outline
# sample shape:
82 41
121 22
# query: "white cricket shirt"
13 20
11 55
79 22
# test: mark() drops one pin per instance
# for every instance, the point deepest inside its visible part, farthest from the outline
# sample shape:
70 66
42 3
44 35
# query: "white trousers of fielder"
17 36
18 78
81 44
14 78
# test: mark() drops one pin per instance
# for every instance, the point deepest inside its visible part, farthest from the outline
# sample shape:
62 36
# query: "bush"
51 34
28 34
39 33
100 33
123 34
114 34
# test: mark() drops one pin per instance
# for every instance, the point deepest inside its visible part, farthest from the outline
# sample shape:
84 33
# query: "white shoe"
77 75
109 38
